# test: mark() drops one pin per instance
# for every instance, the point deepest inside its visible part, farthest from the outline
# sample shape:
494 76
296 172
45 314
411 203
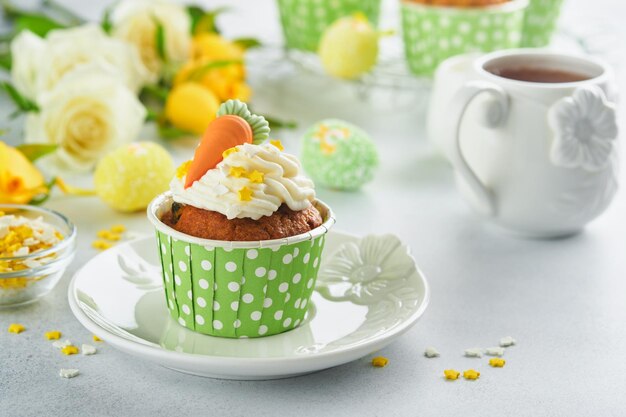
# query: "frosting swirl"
251 181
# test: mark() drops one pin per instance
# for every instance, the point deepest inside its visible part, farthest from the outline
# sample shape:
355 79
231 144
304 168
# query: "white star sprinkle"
507 341
474 353
431 352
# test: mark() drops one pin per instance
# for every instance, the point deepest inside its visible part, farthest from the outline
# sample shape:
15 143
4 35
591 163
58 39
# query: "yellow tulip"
20 181
213 47
191 107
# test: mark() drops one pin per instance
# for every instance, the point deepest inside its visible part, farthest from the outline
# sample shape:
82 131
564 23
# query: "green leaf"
43 197
106 24
248 43
160 39
281 124
35 151
68 15
155 91
198 73
153 115
20 101
195 13
6 60
167 131
203 21
37 23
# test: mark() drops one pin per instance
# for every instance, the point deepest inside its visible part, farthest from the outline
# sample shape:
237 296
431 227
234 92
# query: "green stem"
72 17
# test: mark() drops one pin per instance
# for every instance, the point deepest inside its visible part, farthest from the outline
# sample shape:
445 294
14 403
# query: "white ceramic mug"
539 159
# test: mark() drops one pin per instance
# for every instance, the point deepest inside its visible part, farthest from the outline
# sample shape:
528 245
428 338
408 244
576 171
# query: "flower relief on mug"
377 268
585 130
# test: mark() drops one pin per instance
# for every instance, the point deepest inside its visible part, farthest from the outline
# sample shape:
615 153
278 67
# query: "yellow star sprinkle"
451 374
245 194
96 338
181 171
108 235
100 245
229 151
497 362
237 172
118 228
471 374
380 361
16 328
278 144
53 335
256 177
69 350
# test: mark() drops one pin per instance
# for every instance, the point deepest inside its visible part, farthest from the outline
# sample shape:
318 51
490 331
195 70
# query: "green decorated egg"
339 155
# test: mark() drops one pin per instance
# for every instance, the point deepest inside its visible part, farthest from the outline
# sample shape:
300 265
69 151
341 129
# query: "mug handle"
495 113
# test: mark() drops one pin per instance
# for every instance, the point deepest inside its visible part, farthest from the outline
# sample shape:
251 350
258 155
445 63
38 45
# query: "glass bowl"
45 267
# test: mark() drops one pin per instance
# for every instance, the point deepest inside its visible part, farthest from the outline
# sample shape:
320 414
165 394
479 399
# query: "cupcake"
240 234
304 21
540 22
434 30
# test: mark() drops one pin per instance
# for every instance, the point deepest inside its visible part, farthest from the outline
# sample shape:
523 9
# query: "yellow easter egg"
191 107
128 178
349 47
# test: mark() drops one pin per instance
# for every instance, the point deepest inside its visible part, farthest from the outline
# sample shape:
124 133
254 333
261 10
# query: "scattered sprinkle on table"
88 349
96 338
507 341
471 374
108 235
61 344
118 228
451 374
68 373
53 335
495 351
101 244
431 352
474 353
69 350
497 362
380 361
16 328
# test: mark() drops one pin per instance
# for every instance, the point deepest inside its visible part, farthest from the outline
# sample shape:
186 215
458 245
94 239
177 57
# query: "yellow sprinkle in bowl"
24 279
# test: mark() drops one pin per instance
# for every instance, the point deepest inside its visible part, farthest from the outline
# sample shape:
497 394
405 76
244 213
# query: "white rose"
27 51
88 113
38 64
135 21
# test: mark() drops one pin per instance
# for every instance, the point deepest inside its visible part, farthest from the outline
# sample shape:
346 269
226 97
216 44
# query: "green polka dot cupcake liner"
432 34
540 22
304 21
238 289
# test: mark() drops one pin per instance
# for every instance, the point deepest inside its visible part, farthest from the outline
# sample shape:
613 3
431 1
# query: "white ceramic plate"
369 292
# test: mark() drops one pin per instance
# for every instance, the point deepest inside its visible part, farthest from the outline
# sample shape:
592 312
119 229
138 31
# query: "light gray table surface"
563 300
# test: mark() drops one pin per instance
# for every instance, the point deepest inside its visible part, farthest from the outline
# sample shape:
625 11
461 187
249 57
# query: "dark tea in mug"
536 74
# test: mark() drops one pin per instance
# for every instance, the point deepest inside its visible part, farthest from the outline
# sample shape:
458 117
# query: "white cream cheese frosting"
252 181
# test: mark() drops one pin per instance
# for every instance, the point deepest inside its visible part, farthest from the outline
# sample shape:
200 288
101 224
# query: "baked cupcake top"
237 173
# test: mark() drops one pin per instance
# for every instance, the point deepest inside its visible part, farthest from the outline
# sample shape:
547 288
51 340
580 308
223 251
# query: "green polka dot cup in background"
238 289
434 33
304 21
540 22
